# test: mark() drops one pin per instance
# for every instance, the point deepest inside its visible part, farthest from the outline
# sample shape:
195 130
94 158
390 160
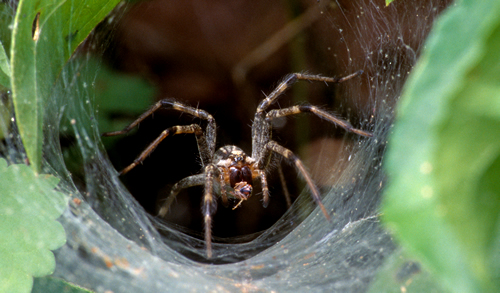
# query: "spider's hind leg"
286 193
187 182
288 154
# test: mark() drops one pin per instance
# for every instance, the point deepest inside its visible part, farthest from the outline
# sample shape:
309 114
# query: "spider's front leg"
206 141
209 205
293 78
272 114
193 128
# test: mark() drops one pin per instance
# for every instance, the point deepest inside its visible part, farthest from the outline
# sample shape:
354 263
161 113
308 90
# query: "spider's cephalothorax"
228 171
237 172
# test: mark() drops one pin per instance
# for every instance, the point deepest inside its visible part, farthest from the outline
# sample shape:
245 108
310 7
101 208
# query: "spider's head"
237 168
240 174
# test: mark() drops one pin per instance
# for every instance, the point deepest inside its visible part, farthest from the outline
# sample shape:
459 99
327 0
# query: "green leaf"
4 68
387 2
45 35
29 207
49 284
120 98
6 22
117 95
443 201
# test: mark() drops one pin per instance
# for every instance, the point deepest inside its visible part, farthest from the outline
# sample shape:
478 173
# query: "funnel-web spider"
229 171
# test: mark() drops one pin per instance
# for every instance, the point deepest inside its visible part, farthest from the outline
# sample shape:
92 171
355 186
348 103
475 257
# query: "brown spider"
229 167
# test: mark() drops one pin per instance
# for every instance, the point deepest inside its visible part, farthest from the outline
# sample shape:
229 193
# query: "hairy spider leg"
193 128
136 122
319 112
293 78
206 141
261 129
194 180
209 206
265 188
262 147
223 152
288 154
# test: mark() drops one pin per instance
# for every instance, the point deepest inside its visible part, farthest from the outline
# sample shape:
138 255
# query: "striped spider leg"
262 144
229 172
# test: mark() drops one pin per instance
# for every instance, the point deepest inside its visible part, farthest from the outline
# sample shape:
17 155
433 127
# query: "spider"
228 171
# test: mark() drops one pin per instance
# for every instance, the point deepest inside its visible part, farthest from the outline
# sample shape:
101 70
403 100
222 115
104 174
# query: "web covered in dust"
115 246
